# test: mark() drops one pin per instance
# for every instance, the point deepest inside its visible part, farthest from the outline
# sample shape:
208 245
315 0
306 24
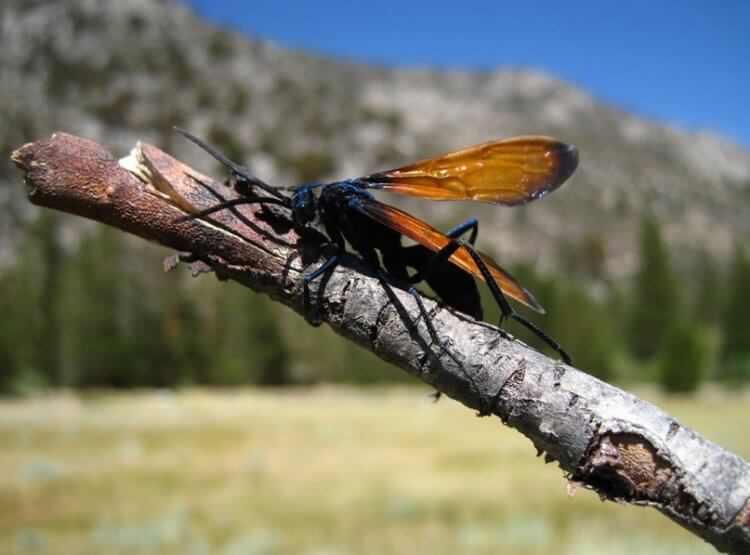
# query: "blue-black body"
339 207
345 210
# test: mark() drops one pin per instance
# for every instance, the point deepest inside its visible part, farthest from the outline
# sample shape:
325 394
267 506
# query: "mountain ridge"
118 72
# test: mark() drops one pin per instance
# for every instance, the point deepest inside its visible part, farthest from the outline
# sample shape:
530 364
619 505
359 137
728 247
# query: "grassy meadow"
327 470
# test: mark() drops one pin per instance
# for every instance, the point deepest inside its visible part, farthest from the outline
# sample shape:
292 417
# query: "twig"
602 437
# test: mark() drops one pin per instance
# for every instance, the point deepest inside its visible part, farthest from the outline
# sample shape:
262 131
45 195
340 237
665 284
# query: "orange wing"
510 171
428 236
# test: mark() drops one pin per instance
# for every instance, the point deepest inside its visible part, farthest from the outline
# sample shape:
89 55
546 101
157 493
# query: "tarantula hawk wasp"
511 172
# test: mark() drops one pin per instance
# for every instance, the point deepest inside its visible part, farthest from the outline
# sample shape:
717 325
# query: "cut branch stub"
601 436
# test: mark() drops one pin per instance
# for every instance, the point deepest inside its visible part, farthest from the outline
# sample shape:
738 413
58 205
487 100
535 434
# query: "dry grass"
314 471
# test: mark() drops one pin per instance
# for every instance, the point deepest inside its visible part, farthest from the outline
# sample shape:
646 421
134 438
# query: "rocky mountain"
117 72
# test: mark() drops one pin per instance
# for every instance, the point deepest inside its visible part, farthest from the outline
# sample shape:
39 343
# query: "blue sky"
683 62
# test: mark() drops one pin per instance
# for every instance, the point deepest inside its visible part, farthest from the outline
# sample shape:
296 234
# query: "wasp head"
304 205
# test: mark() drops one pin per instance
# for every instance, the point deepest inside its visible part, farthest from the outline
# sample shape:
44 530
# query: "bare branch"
601 436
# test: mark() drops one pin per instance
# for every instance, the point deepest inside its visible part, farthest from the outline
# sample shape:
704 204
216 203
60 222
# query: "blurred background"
137 410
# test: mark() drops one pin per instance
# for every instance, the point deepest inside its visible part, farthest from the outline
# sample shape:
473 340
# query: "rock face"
120 71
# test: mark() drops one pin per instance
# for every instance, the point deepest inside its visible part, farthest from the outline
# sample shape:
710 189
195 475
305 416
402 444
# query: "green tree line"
97 314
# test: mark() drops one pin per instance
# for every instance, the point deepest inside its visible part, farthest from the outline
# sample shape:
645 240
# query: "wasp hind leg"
442 256
507 310
470 224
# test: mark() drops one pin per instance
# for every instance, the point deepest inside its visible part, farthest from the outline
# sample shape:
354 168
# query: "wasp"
509 172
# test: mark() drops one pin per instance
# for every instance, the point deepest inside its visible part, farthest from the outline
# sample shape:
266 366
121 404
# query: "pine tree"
35 305
575 319
161 321
8 365
683 359
655 296
248 346
270 356
708 299
182 329
125 325
735 323
98 350
47 231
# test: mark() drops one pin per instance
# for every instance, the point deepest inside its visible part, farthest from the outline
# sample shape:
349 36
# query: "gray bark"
602 437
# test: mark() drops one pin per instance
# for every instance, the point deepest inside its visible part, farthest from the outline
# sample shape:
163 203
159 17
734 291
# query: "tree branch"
606 439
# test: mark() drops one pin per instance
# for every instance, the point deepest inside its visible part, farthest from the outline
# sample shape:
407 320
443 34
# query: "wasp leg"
329 263
432 332
445 253
507 311
470 224
435 262
228 204
423 313
326 268
505 307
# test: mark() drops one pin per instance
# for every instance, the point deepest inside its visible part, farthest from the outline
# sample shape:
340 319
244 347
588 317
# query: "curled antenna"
236 169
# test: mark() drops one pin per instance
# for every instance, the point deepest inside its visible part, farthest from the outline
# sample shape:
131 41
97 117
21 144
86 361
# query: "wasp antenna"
233 167
231 203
